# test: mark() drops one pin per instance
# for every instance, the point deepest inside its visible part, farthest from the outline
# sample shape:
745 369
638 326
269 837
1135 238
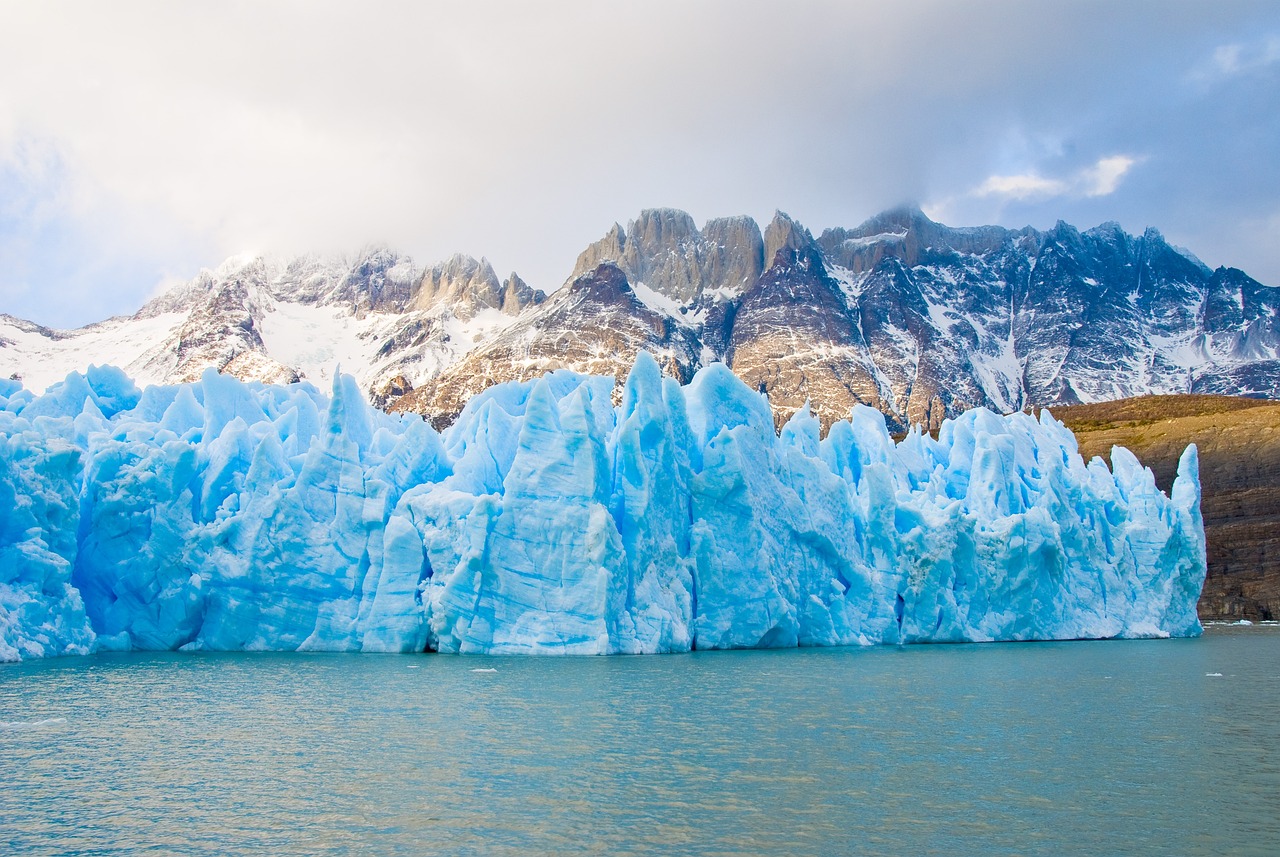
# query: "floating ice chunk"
30 725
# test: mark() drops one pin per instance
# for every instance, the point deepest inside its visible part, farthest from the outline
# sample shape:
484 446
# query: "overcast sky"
140 142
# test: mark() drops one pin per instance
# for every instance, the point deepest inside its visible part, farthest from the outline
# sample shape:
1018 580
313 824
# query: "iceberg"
222 515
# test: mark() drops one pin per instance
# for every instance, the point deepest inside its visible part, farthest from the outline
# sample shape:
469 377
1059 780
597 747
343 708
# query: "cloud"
1026 186
1100 179
1104 177
60 247
1235 59
187 132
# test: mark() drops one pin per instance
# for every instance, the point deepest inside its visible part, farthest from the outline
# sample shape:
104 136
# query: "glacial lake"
1167 747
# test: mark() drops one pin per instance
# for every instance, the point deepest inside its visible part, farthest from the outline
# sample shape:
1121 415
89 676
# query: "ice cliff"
225 515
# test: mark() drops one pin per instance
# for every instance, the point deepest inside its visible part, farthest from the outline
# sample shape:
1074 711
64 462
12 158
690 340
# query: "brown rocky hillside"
1239 443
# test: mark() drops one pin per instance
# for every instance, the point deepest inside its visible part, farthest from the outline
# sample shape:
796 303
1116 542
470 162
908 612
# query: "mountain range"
919 320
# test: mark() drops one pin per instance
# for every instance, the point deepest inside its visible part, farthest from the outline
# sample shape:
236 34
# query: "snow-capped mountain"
914 318
917 319
376 316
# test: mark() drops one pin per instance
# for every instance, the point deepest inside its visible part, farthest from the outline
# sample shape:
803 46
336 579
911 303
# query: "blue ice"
222 515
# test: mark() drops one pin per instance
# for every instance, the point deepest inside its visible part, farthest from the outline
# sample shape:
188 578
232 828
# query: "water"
1073 748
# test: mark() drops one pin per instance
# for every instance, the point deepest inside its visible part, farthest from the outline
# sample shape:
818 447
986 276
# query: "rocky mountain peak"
739 234
1110 234
467 285
206 285
605 284
903 218
516 295
378 279
1064 235
785 233
732 255
244 266
659 229
220 331
665 251
908 234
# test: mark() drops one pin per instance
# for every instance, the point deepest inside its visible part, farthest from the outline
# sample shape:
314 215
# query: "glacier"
223 515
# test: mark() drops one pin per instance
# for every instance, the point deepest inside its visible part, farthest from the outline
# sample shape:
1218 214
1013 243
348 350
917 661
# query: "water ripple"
1100 748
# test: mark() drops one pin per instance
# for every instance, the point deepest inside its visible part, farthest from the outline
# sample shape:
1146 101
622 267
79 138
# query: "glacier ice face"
232 516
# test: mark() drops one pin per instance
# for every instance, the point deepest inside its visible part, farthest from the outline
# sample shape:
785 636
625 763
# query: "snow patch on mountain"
316 339
40 357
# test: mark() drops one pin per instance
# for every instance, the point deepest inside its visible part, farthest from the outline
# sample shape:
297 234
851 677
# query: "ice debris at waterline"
224 515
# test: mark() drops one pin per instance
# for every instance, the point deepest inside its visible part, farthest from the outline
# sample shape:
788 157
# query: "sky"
141 142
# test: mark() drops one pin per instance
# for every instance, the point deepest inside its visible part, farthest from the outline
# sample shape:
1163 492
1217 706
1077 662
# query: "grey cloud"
522 131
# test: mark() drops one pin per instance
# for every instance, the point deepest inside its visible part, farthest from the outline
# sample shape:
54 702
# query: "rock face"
587 326
916 319
220 332
468 286
1239 444
796 336
664 250
923 321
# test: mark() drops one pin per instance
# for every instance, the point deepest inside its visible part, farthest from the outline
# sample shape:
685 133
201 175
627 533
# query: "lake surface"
1102 748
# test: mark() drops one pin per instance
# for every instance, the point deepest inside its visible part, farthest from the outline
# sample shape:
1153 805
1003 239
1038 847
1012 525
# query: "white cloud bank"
1100 179
185 132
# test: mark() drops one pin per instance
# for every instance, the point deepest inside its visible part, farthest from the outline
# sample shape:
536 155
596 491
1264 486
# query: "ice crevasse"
221 515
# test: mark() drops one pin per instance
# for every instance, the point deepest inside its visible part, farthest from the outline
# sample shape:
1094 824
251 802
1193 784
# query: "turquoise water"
1103 748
